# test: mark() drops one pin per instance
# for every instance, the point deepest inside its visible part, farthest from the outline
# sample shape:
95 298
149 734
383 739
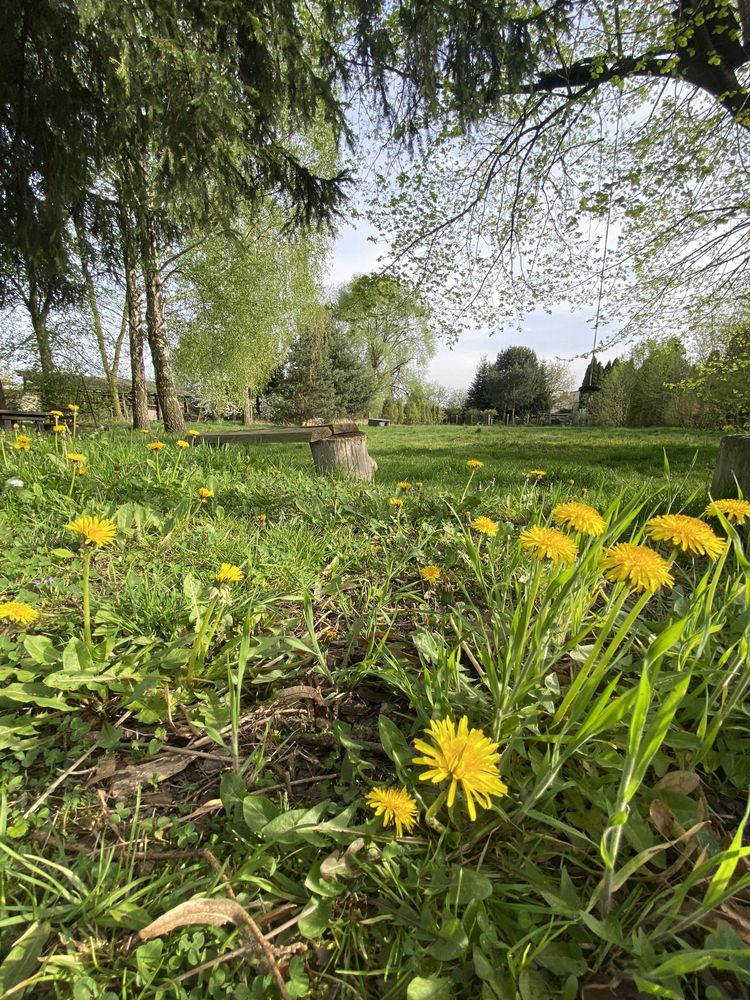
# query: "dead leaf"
663 818
683 782
301 692
126 783
106 767
214 912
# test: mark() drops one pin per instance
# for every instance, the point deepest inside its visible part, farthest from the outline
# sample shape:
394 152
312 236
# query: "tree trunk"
109 372
732 467
139 400
156 328
247 410
38 313
344 453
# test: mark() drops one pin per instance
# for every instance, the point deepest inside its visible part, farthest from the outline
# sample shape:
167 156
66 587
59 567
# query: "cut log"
345 453
732 467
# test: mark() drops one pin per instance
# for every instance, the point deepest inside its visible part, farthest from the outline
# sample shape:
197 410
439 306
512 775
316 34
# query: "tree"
243 295
323 376
518 384
559 379
391 323
478 396
637 124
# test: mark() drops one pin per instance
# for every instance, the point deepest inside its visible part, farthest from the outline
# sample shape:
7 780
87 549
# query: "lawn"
188 763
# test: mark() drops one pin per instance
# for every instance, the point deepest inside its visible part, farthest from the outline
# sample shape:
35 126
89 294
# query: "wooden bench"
378 422
336 447
41 421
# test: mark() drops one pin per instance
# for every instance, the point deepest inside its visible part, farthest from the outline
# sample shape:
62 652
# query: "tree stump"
344 453
732 467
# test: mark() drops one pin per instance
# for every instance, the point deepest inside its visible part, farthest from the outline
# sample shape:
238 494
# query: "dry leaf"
126 783
663 818
215 912
684 782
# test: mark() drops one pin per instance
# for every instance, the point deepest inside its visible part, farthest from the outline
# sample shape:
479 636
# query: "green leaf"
452 943
21 961
314 922
468 885
258 811
394 743
40 648
429 989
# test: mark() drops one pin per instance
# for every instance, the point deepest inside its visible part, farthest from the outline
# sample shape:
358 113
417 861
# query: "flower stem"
86 598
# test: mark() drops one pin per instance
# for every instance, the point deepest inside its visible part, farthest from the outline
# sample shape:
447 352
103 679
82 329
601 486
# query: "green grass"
621 723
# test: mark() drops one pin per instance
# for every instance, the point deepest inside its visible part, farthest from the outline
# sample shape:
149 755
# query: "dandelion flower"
16 427
404 486
22 443
637 565
73 407
396 806
418 486
205 493
462 755
75 456
56 413
59 428
474 463
396 502
580 517
485 526
82 470
688 534
535 474
262 518
194 434
95 530
18 612
145 430
182 444
430 573
735 511
549 543
229 573
156 446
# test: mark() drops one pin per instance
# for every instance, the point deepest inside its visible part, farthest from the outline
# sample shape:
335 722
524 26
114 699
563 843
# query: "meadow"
209 708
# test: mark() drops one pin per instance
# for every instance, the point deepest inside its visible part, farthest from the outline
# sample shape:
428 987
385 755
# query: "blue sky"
561 334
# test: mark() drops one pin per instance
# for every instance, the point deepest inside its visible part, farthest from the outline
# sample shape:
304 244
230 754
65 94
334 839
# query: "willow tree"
243 295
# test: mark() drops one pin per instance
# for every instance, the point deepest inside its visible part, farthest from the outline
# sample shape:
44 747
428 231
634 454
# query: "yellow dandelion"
688 534
182 444
194 434
59 428
205 493
418 486
404 486
262 518
229 573
56 413
474 463
18 612
95 530
22 443
535 474
75 456
145 430
396 502
156 446
580 517
485 526
82 470
430 573
549 543
462 755
73 407
735 511
16 427
396 806
637 565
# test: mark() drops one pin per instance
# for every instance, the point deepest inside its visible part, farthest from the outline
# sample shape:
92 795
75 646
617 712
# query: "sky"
561 334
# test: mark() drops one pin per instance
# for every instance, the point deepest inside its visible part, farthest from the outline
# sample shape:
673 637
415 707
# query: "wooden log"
732 467
344 453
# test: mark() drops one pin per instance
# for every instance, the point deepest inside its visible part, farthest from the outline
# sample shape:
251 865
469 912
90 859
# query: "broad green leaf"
314 921
429 989
394 743
21 961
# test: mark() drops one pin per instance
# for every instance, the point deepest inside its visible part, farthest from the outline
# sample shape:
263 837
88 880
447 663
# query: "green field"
218 742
